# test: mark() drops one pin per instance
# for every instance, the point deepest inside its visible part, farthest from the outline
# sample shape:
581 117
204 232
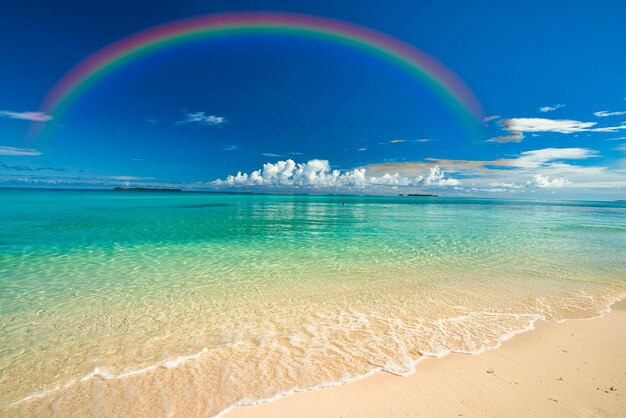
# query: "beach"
572 368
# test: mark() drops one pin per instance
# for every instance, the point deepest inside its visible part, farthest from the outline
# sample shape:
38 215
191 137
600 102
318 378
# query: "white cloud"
538 158
436 177
317 174
605 113
545 182
230 147
506 185
18 151
539 170
564 126
30 116
516 137
551 108
518 126
201 118
487 119
397 141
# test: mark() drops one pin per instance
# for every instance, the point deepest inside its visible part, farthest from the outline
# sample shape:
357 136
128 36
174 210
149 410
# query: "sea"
121 303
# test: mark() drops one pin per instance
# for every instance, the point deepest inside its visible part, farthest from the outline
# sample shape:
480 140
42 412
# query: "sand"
574 368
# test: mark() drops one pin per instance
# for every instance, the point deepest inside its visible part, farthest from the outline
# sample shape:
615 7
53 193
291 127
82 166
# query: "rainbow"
85 74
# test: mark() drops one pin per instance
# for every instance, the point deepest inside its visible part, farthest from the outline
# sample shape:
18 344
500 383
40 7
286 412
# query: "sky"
278 113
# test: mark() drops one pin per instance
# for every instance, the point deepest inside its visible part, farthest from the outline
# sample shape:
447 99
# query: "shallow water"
118 303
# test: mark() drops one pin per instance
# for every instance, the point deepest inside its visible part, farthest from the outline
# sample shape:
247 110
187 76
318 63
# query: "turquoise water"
107 298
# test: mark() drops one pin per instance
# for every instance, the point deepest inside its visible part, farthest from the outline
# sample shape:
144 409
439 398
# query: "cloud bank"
318 175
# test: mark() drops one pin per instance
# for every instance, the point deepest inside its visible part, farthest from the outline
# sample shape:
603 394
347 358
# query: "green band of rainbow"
441 80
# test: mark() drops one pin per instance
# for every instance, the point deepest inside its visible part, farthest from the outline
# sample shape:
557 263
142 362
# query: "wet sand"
574 368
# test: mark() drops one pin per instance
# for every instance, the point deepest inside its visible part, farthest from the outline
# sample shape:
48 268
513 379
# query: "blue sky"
321 117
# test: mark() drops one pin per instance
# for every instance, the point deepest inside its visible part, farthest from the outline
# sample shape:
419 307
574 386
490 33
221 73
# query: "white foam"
97 372
424 356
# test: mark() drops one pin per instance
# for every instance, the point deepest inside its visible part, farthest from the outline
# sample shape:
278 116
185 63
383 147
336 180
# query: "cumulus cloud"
18 151
30 116
201 118
317 174
436 177
545 182
551 108
605 113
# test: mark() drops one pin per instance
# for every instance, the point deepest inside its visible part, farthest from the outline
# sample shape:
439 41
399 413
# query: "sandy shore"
575 368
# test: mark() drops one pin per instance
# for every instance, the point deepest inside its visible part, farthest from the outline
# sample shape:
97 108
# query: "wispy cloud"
201 118
539 157
605 113
30 116
517 127
29 179
18 151
564 126
126 178
230 148
516 137
271 154
400 141
20 167
487 119
153 121
363 149
551 108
